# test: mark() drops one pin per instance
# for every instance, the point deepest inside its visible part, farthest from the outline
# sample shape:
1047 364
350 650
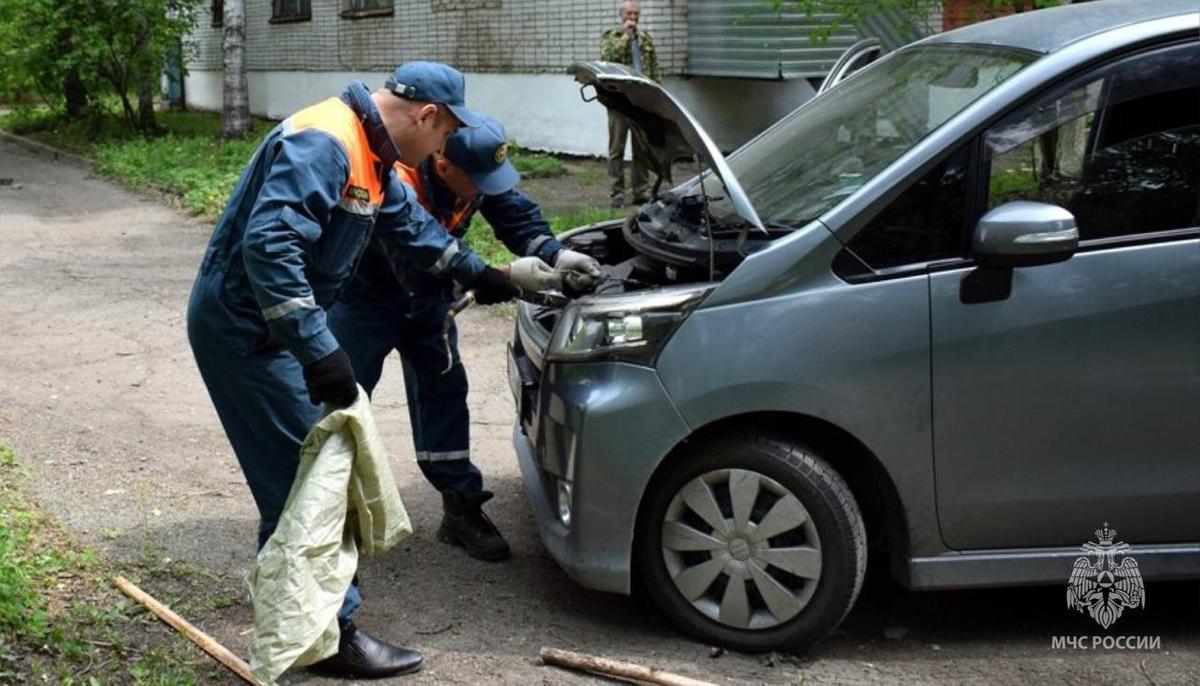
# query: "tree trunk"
126 106
146 88
75 92
147 71
235 113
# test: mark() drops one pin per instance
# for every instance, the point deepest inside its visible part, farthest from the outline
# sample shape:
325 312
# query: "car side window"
1118 147
924 224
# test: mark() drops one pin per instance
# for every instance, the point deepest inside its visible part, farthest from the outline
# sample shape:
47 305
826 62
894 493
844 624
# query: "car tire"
775 553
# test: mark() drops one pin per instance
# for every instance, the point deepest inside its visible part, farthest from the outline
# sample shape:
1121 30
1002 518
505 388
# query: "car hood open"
666 127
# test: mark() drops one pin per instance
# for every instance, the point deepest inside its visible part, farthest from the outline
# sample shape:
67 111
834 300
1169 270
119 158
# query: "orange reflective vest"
458 218
363 192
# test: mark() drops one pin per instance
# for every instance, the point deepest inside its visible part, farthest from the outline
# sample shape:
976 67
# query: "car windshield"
819 154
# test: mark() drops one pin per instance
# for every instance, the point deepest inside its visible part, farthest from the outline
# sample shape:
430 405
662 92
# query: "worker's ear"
441 165
427 115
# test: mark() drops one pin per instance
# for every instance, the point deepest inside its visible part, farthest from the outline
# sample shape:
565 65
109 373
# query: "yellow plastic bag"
343 499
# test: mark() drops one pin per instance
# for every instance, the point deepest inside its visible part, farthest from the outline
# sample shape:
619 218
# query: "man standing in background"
627 45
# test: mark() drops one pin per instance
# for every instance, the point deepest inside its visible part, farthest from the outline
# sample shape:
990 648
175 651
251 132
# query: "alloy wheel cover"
741 548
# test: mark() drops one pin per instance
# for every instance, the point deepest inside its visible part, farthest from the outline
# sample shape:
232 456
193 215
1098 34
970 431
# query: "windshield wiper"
742 226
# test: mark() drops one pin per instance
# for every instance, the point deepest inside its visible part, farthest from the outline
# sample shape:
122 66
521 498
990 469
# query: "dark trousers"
258 390
369 331
618 131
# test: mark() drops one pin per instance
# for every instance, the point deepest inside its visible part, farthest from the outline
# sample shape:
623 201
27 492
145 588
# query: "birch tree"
235 111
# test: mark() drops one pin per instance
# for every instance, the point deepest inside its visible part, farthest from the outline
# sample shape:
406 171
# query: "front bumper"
604 427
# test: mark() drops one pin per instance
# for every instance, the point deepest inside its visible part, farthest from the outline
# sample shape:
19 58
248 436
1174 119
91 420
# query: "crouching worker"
383 310
318 188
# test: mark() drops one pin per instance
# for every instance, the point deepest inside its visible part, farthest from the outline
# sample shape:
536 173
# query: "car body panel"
1039 566
790 336
846 355
1055 28
604 426
1041 401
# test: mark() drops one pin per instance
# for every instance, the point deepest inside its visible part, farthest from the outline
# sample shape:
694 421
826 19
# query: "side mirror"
1024 234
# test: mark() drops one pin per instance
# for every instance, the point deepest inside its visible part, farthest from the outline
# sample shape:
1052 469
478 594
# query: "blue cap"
433 82
482 152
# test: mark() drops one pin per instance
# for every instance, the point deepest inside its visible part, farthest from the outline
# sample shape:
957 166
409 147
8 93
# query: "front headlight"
629 327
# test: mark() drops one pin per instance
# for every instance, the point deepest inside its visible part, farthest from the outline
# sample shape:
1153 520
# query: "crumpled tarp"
343 499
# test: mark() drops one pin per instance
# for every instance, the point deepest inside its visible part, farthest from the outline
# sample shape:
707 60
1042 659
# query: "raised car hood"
668 129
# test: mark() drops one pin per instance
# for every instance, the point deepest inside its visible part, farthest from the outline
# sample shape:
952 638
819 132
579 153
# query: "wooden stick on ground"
612 668
206 642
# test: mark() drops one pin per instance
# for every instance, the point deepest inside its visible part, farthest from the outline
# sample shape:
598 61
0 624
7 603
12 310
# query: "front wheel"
753 543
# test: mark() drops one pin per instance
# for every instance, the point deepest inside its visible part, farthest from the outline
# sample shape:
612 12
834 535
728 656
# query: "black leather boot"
464 524
360 656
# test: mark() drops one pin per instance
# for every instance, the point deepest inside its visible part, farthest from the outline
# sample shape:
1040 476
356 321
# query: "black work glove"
492 287
331 380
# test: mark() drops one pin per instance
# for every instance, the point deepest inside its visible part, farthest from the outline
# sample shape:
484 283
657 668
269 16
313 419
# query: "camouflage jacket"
614 47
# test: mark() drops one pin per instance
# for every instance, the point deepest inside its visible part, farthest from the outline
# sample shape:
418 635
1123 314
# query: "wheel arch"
869 482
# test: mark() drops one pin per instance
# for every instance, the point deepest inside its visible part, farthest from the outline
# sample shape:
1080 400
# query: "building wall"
540 111
495 36
514 53
959 13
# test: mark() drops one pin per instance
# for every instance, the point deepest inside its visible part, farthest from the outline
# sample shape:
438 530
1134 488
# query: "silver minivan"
946 314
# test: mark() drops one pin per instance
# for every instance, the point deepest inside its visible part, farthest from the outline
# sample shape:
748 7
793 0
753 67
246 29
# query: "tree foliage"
52 49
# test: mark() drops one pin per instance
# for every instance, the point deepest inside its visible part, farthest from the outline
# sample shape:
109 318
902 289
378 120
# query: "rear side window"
1118 147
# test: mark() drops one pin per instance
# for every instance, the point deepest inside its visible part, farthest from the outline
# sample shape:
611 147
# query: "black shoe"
638 202
464 524
617 202
360 656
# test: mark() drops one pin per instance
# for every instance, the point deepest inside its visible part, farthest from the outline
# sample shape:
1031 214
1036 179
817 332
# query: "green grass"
200 170
188 161
1011 183
533 165
483 241
192 164
60 620
27 568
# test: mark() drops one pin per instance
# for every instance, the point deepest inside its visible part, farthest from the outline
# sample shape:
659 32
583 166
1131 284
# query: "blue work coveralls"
318 189
383 310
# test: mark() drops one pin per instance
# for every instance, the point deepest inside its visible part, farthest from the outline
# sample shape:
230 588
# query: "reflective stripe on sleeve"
444 261
277 311
536 244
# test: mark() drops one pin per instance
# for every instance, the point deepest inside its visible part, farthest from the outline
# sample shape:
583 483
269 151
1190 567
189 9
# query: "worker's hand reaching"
331 380
532 274
493 286
580 273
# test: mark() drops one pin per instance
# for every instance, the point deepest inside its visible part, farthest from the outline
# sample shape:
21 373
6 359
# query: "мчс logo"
1104 589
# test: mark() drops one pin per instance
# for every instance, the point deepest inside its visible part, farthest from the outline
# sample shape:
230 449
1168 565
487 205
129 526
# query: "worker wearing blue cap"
318 189
383 310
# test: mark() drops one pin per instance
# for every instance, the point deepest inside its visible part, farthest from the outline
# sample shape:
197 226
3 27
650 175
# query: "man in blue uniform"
383 310
319 187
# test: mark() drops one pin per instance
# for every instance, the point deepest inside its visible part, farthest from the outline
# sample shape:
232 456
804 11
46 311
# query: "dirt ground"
100 398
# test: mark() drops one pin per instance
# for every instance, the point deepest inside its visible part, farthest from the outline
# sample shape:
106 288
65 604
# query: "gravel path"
101 400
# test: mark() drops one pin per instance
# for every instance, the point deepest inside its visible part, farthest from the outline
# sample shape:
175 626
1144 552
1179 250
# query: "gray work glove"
532 274
581 273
